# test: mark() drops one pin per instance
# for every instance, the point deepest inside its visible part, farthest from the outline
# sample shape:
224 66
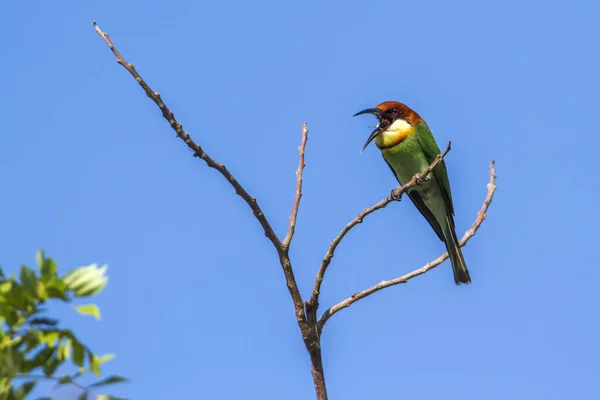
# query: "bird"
408 147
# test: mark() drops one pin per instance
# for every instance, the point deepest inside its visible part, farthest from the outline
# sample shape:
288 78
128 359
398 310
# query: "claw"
420 179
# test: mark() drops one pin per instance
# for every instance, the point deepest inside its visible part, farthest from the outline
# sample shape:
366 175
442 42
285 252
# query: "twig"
198 151
301 164
481 215
395 195
250 200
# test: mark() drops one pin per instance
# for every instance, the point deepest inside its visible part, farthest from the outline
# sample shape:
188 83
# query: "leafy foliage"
32 345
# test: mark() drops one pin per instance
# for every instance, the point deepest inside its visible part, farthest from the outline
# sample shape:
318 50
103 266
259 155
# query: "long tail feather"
459 267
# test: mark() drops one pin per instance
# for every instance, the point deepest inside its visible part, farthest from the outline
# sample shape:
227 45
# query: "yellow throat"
394 134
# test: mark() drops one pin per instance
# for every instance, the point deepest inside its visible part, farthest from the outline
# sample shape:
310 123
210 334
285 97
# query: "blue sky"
196 306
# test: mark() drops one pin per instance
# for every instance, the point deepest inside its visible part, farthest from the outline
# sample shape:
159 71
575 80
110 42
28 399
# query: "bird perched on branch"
408 147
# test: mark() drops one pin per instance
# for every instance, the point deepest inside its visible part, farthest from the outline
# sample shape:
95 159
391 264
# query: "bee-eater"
408 147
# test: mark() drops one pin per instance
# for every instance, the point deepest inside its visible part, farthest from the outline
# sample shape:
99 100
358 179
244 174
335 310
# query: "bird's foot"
395 196
420 179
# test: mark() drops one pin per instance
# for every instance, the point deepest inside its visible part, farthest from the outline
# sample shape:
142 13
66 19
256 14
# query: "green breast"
406 159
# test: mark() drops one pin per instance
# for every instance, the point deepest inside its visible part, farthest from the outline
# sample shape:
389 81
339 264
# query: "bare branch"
395 195
250 200
481 215
301 164
198 151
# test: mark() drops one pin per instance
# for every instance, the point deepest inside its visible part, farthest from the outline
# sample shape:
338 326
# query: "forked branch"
250 200
481 215
395 195
306 318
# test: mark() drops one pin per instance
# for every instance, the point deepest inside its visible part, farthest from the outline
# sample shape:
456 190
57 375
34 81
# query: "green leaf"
39 258
24 390
12 360
28 280
49 337
19 298
65 350
94 363
78 353
40 289
1 273
111 380
56 288
56 293
51 366
31 340
83 396
5 286
9 315
65 379
89 309
47 266
103 359
42 357
43 321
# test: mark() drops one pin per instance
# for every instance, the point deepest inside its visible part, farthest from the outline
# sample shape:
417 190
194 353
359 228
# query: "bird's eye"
395 111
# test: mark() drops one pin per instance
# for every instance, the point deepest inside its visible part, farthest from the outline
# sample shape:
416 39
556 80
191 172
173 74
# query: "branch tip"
296 204
481 216
395 195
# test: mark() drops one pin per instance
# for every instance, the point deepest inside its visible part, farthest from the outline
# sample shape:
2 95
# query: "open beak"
377 130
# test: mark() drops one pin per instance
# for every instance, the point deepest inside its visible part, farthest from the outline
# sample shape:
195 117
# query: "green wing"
422 207
431 150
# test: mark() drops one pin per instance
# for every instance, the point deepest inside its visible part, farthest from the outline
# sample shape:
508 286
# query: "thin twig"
250 200
301 164
198 151
396 194
481 215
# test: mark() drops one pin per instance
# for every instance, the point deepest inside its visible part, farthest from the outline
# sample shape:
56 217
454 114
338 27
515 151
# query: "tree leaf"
66 349
49 337
24 389
56 293
43 321
78 353
103 359
42 357
40 290
39 258
28 280
19 298
9 315
51 365
111 380
65 379
31 340
12 361
47 266
89 309
5 286
94 364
